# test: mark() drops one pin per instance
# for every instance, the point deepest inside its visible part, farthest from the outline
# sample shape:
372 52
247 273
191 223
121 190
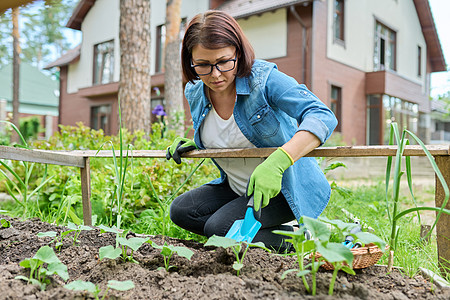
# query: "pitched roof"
431 37
36 88
68 57
245 8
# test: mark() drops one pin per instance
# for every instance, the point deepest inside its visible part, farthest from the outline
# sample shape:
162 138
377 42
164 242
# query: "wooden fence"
80 159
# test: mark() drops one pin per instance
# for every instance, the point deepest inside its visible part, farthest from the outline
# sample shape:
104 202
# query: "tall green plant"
23 196
393 209
120 168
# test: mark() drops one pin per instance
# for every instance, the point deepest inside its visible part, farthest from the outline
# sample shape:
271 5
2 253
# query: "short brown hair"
215 29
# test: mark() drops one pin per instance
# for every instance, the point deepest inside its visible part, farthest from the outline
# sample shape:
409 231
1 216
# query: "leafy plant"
38 272
224 242
58 239
122 245
4 223
22 185
334 253
393 208
167 251
80 285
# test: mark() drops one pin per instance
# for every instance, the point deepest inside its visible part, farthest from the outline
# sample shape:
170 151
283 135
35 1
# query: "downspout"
300 21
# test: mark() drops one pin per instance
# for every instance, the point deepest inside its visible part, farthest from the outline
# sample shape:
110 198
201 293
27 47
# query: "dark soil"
208 275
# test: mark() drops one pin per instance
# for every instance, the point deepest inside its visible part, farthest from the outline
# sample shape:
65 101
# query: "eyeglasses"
221 66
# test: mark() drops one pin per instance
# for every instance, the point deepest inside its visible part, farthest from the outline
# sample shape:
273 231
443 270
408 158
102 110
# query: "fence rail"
81 159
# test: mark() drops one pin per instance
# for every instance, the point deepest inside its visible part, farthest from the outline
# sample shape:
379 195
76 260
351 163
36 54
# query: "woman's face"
217 81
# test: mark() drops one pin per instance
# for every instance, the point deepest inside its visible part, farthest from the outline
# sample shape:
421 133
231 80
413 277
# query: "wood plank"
443 225
346 151
41 156
85 177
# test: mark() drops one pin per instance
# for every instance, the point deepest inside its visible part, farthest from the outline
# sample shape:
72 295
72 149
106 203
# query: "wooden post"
443 226
86 192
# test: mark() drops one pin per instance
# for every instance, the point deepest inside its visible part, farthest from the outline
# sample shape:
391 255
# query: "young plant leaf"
121 285
47 255
109 252
367 238
335 252
5 223
51 234
133 243
80 285
58 269
221 241
319 230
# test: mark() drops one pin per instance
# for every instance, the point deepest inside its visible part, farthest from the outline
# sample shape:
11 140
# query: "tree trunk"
173 86
135 80
16 72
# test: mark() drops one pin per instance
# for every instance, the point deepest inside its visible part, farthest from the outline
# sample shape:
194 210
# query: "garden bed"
208 275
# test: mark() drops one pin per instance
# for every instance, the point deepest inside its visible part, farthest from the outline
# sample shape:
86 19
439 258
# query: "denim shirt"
268 107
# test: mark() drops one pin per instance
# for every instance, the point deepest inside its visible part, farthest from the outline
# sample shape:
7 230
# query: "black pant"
212 209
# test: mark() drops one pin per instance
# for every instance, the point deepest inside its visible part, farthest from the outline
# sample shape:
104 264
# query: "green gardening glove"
265 182
179 146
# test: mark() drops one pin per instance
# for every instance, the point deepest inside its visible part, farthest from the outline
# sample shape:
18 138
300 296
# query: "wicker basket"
363 257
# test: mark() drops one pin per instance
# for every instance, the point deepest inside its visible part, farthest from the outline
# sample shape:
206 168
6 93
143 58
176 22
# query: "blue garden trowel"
245 230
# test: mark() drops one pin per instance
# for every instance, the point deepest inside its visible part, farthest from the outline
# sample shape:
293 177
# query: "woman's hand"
179 146
265 181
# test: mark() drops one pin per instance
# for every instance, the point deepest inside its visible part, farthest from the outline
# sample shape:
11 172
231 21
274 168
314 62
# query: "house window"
104 62
374 129
405 114
160 42
338 20
419 61
336 100
385 48
101 118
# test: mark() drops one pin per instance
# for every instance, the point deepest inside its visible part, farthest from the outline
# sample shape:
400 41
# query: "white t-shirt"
216 132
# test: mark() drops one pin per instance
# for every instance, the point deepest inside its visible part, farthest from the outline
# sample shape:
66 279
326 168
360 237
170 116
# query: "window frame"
339 16
338 103
98 79
383 42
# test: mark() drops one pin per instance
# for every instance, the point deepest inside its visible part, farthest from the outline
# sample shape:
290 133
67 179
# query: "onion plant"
392 202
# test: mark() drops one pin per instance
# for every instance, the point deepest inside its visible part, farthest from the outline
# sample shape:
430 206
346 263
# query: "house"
38 96
369 61
440 122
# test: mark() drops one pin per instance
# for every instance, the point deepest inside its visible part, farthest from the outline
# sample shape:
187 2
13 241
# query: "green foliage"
30 127
38 273
41 32
18 182
167 251
123 245
58 239
224 242
4 223
392 203
334 253
59 201
80 285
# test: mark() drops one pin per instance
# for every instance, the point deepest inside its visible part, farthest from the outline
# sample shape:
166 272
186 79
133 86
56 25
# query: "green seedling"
5 223
393 209
167 252
335 253
122 245
224 242
77 231
58 239
38 273
88 286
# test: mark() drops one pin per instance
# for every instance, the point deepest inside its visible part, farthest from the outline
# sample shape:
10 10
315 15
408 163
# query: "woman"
239 102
